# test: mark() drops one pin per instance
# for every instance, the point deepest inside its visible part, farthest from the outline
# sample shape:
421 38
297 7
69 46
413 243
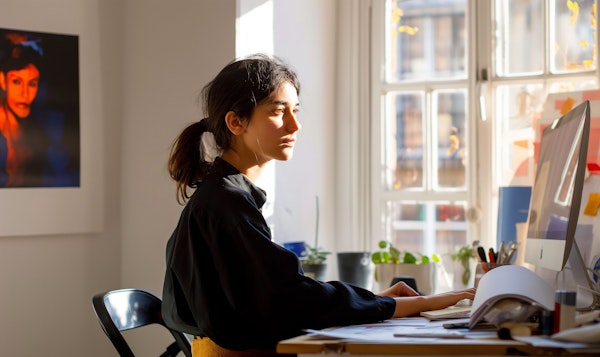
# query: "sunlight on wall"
254 33
254 27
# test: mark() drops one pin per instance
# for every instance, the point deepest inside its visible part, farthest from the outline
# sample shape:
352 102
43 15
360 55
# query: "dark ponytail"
186 163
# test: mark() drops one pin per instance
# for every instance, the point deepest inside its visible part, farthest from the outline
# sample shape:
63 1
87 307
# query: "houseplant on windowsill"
314 257
390 262
313 261
462 273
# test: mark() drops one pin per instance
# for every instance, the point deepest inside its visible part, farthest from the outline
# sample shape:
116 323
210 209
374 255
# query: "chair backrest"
126 309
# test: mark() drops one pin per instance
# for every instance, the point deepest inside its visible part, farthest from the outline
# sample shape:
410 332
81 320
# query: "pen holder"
483 268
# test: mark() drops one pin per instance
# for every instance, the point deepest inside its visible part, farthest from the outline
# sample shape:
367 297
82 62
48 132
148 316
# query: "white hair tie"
209 146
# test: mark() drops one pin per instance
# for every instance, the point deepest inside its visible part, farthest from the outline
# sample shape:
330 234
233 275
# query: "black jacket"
226 279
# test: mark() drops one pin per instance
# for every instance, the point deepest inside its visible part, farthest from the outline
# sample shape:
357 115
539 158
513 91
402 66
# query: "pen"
485 267
492 255
501 253
481 253
511 251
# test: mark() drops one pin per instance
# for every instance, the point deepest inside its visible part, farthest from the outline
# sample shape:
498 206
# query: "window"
523 75
452 115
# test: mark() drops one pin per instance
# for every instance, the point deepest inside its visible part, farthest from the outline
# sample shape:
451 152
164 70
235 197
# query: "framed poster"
39 110
45 185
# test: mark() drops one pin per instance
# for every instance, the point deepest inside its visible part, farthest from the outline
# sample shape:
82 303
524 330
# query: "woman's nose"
293 124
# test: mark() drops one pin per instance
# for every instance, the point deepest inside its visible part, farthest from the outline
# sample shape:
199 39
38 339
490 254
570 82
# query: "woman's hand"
398 290
409 305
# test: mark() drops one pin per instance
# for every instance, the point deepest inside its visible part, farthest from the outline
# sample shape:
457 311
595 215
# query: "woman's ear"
234 123
2 81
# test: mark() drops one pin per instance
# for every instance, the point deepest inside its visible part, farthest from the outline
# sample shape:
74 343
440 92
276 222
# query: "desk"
306 345
310 346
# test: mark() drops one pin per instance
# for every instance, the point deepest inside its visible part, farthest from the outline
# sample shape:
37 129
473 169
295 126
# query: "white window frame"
377 195
359 193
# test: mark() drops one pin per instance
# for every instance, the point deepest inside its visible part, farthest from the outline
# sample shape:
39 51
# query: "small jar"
564 310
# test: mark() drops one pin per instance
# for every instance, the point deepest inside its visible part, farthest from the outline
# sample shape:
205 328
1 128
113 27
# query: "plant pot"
424 275
356 268
315 271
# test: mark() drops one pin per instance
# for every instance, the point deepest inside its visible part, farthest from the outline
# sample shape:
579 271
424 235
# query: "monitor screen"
556 192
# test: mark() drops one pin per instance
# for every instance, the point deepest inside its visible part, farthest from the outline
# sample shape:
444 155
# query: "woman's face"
21 87
271 131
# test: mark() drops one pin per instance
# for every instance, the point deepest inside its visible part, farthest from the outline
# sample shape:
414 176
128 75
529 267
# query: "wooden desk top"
440 347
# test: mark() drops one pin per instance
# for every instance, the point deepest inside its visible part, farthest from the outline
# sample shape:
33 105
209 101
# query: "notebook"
451 312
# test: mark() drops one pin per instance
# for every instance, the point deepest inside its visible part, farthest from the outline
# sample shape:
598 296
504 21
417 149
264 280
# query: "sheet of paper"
357 333
397 330
541 341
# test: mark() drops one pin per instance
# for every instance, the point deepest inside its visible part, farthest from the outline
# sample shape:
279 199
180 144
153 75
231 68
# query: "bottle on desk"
564 310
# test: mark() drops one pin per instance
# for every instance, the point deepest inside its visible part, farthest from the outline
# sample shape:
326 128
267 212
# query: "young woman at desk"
226 282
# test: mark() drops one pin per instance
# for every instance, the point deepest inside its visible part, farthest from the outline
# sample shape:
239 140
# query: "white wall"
305 36
47 281
148 60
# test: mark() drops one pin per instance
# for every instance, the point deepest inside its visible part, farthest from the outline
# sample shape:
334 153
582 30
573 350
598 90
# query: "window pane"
427 228
516 106
415 226
427 39
573 32
520 37
451 138
403 137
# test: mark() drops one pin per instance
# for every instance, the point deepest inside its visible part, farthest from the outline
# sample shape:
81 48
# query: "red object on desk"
485 267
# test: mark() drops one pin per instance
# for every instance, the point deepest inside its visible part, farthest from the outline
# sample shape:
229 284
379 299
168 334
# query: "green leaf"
313 255
409 258
380 257
394 254
391 254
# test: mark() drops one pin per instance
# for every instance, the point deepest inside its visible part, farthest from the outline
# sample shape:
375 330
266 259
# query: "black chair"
126 309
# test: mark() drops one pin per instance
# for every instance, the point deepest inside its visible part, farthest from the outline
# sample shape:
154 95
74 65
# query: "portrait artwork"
39 110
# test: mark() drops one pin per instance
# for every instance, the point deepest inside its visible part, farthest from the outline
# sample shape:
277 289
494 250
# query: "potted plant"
313 261
390 262
462 256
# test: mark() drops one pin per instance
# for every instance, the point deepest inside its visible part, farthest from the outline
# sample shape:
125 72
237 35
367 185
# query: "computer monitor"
556 195
556 192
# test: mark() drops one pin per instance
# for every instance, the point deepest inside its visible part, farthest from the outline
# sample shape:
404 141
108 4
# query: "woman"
226 281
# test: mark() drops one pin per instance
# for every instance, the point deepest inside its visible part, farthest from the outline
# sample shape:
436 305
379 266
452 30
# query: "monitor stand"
588 296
